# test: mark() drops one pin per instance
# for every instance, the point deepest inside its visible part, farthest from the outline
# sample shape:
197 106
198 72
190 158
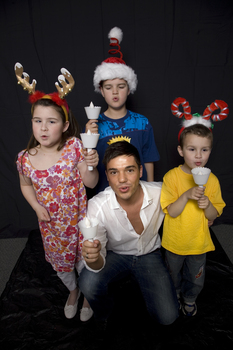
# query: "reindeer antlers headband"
57 97
189 119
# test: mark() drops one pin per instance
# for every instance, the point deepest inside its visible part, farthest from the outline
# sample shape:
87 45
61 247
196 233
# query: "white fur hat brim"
196 120
106 71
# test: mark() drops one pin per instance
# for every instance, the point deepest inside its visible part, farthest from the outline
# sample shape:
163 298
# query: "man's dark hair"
121 148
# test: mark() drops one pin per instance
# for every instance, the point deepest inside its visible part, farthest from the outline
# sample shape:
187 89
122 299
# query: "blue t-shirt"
137 129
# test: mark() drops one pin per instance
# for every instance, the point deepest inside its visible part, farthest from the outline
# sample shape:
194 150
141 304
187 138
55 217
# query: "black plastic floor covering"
32 316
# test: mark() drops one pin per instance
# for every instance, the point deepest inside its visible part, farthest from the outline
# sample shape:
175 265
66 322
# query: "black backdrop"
177 48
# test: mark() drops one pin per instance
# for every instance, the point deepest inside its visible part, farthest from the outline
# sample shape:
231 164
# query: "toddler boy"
186 237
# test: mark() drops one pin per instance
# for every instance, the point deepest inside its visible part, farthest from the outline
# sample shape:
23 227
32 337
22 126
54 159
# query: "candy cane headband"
57 97
189 119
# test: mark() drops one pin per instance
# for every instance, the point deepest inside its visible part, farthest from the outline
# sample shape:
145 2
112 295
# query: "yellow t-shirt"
188 233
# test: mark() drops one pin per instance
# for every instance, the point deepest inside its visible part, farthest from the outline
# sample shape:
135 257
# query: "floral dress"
61 191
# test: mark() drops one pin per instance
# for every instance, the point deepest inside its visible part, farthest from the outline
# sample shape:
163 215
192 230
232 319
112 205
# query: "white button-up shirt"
115 231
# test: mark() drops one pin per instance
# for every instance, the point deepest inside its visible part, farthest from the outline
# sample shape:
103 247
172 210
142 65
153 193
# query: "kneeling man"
128 243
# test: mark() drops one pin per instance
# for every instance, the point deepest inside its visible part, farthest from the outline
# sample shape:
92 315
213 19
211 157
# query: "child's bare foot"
72 297
85 303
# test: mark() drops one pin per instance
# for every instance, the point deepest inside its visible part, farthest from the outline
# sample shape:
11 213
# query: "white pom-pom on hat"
116 33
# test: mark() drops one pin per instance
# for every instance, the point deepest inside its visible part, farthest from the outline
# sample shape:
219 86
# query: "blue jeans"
152 276
188 274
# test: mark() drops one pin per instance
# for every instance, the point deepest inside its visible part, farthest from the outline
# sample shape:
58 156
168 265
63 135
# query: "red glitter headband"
38 95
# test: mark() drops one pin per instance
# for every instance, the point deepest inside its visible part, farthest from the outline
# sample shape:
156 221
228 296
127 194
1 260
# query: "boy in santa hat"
115 81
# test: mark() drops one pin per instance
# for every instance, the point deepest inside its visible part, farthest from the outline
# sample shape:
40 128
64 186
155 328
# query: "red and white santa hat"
115 67
189 119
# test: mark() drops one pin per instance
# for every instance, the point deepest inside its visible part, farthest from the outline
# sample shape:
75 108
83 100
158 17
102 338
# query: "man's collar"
147 197
113 201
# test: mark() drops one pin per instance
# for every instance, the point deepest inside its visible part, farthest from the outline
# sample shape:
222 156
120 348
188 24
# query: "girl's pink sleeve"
79 150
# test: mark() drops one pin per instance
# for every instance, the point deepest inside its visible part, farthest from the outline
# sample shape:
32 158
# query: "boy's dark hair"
121 148
196 129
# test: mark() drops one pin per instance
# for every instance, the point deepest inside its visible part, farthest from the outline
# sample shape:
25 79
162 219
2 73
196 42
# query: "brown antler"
25 80
66 88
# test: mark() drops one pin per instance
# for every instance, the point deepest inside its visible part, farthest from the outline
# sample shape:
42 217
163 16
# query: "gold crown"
119 138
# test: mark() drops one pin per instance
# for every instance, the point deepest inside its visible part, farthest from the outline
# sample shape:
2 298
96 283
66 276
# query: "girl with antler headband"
187 207
53 171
